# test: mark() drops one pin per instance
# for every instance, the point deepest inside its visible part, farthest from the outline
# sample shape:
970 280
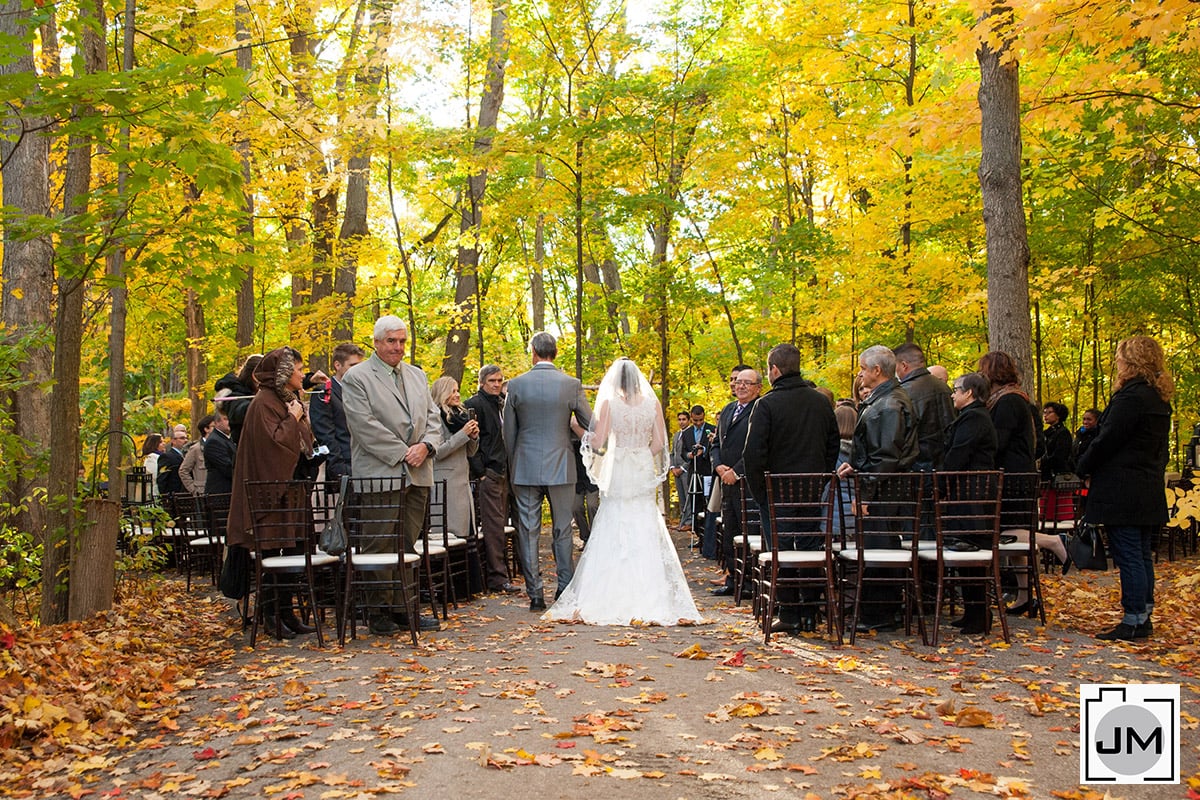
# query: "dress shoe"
537 604
293 622
685 529
1145 630
1066 567
511 588
1030 607
1123 632
382 626
883 626
789 627
958 623
722 591
808 623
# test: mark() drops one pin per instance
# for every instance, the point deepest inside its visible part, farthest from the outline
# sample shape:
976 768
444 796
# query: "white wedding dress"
629 572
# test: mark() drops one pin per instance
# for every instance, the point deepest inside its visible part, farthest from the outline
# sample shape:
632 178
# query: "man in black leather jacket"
931 401
885 440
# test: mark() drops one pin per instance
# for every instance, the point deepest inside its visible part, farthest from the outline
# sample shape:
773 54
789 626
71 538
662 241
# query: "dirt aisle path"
501 705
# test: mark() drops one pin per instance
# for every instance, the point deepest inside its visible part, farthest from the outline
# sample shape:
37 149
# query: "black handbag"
333 537
1086 548
235 573
1066 481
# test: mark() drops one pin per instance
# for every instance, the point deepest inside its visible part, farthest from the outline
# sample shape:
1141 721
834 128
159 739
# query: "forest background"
684 183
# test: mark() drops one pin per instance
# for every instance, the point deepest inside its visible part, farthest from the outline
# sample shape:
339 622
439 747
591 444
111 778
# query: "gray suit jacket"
537 426
383 425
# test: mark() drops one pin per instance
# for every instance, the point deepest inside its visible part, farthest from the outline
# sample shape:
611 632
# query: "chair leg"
999 597
937 607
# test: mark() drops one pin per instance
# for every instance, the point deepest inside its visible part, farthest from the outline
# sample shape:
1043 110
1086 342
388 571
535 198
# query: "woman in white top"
151 449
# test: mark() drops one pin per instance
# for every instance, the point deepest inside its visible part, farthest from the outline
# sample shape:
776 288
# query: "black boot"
293 623
1122 632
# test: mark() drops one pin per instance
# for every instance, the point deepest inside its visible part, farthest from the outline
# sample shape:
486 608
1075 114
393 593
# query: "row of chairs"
851 552
378 562
287 518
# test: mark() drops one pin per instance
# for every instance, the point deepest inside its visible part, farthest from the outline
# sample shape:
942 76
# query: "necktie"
737 412
400 385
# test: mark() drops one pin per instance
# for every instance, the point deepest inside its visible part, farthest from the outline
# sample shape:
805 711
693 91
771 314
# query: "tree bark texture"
245 293
1009 327
355 229
74 270
28 268
93 570
466 289
197 367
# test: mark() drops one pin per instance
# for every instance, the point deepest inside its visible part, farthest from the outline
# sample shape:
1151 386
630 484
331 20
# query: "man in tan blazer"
395 430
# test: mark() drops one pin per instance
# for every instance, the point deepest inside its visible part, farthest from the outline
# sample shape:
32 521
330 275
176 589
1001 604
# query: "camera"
470 413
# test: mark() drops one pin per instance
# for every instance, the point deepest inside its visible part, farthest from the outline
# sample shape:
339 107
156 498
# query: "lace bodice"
632 425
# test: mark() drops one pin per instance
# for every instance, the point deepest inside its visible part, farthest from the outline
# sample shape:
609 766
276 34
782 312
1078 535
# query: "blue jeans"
1130 548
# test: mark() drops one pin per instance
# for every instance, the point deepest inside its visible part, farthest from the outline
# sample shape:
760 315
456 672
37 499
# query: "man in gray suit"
541 460
395 430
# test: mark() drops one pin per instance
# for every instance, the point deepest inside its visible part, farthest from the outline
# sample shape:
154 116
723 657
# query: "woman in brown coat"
275 438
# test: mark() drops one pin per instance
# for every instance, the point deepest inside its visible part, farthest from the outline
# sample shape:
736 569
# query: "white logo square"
1129 733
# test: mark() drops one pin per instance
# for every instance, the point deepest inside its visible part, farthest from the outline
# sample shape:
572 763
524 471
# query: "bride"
629 572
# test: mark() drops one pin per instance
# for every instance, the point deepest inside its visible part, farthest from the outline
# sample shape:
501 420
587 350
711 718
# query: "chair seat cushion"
434 549
877 555
319 559
959 558
793 557
203 541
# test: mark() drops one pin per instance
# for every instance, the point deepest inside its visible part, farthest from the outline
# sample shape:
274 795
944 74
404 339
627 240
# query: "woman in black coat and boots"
1124 467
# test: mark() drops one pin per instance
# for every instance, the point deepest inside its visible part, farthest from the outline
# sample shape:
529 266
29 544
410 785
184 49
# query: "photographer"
697 441
328 414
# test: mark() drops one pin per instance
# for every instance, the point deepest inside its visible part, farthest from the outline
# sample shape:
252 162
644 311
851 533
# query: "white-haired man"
395 430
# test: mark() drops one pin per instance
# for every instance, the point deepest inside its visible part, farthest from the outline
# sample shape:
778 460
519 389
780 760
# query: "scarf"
455 418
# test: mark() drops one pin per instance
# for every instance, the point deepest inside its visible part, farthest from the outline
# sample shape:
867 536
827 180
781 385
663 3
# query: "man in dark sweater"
489 466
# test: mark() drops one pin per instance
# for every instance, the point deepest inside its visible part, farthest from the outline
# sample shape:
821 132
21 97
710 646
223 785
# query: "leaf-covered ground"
162 698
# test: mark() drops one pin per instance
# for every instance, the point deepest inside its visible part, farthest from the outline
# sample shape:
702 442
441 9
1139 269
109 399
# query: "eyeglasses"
957 389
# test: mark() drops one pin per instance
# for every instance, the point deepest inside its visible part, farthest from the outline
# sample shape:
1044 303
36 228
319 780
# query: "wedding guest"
1124 466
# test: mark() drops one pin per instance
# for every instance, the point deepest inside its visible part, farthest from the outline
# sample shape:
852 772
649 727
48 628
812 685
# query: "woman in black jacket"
1012 413
1125 465
971 445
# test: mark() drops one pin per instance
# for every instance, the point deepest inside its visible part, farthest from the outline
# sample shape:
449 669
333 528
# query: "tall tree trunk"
245 293
537 285
118 291
323 195
466 289
74 268
28 269
1009 326
355 229
197 367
